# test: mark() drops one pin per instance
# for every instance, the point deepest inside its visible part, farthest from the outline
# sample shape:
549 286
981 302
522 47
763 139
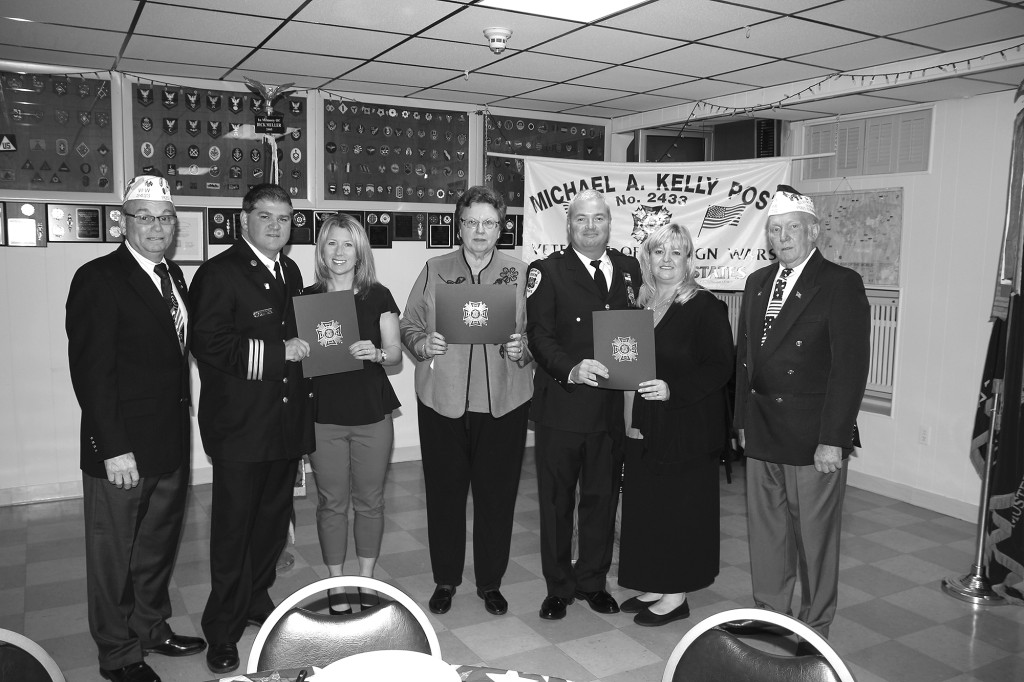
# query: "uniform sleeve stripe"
255 368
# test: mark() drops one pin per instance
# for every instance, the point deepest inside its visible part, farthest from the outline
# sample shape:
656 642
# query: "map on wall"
862 230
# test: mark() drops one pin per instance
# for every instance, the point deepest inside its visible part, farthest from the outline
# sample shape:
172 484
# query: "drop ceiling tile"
62 38
55 58
108 14
170 50
576 94
298 80
599 112
977 30
852 104
541 67
456 96
277 61
399 16
864 54
259 8
504 86
1011 76
776 73
700 60
172 69
203 25
783 6
698 19
351 86
646 102
527 30
704 88
401 74
440 53
607 44
639 80
785 37
883 17
532 104
333 40
949 88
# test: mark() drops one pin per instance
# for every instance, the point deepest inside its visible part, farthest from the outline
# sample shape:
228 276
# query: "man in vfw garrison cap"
802 364
128 326
255 414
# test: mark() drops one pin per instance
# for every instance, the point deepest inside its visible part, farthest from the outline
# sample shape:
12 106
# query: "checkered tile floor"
893 623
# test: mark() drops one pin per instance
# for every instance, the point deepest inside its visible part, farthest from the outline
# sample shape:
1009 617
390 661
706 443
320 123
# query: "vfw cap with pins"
147 188
787 200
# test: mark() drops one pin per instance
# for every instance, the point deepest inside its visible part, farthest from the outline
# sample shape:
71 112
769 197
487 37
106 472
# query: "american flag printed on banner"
721 216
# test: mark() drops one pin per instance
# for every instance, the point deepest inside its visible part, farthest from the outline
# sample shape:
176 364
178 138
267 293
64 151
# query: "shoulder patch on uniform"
532 281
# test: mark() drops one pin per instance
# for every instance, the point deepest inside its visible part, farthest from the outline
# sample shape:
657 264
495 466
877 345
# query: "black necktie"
602 283
279 277
172 302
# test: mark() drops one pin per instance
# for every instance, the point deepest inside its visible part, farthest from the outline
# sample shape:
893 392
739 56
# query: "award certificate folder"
475 313
328 323
624 343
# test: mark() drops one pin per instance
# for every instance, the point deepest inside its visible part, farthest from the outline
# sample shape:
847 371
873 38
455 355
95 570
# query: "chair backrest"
293 637
23 660
706 653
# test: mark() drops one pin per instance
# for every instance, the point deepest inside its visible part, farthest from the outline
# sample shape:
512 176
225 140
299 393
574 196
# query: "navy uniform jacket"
253 406
805 384
562 298
127 367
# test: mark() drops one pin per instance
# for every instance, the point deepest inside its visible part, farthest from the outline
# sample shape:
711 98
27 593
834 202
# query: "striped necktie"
775 305
172 302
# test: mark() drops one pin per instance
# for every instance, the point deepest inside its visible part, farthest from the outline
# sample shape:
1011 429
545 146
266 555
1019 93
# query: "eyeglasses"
149 219
473 224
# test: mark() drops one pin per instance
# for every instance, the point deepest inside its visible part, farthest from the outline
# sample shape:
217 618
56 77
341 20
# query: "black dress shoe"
553 607
258 619
441 600
600 601
752 627
222 658
133 672
648 618
806 649
176 645
634 605
493 601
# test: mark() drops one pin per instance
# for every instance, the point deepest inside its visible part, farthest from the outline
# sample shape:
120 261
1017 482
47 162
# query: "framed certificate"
189 246
475 313
328 323
624 343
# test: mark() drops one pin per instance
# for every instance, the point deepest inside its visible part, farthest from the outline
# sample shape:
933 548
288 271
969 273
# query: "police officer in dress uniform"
255 414
579 428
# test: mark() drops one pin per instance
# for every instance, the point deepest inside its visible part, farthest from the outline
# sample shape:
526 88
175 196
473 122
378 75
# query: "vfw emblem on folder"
474 314
624 349
329 333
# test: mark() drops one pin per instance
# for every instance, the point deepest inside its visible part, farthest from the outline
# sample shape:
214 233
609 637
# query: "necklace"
659 304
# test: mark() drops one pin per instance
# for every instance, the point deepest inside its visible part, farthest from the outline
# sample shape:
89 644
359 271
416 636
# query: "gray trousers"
794 515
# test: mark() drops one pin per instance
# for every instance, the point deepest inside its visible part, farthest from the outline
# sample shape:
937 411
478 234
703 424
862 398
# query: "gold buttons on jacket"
789 371
778 400
285 380
284 400
799 343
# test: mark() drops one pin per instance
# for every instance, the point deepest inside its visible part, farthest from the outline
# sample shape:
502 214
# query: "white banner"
724 204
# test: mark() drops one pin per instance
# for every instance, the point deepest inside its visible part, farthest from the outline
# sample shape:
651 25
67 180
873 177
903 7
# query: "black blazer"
804 386
129 373
561 300
253 406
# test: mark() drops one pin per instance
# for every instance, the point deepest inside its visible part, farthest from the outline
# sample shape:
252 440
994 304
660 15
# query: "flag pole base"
973 588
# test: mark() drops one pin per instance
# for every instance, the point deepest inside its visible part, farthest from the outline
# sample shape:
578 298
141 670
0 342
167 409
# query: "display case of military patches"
55 133
533 137
205 142
377 153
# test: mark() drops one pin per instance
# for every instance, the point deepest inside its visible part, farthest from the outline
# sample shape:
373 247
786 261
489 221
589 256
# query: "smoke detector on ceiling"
497 38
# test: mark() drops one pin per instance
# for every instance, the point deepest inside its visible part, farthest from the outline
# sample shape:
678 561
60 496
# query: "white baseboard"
921 498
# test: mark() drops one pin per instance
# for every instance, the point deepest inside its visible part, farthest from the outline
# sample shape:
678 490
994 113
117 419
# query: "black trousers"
594 461
475 451
131 539
252 506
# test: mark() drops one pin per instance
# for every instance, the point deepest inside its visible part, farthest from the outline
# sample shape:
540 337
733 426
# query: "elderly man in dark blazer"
580 428
255 414
128 336
802 365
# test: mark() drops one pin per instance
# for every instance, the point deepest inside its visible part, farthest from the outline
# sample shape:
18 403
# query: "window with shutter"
897 143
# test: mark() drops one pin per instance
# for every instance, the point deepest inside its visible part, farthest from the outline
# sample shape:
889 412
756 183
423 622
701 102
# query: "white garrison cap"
787 200
147 188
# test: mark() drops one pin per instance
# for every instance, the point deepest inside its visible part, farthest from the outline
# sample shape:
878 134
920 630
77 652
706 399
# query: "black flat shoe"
599 600
634 605
341 600
648 618
441 600
553 607
493 601
176 645
752 627
368 598
222 658
133 672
